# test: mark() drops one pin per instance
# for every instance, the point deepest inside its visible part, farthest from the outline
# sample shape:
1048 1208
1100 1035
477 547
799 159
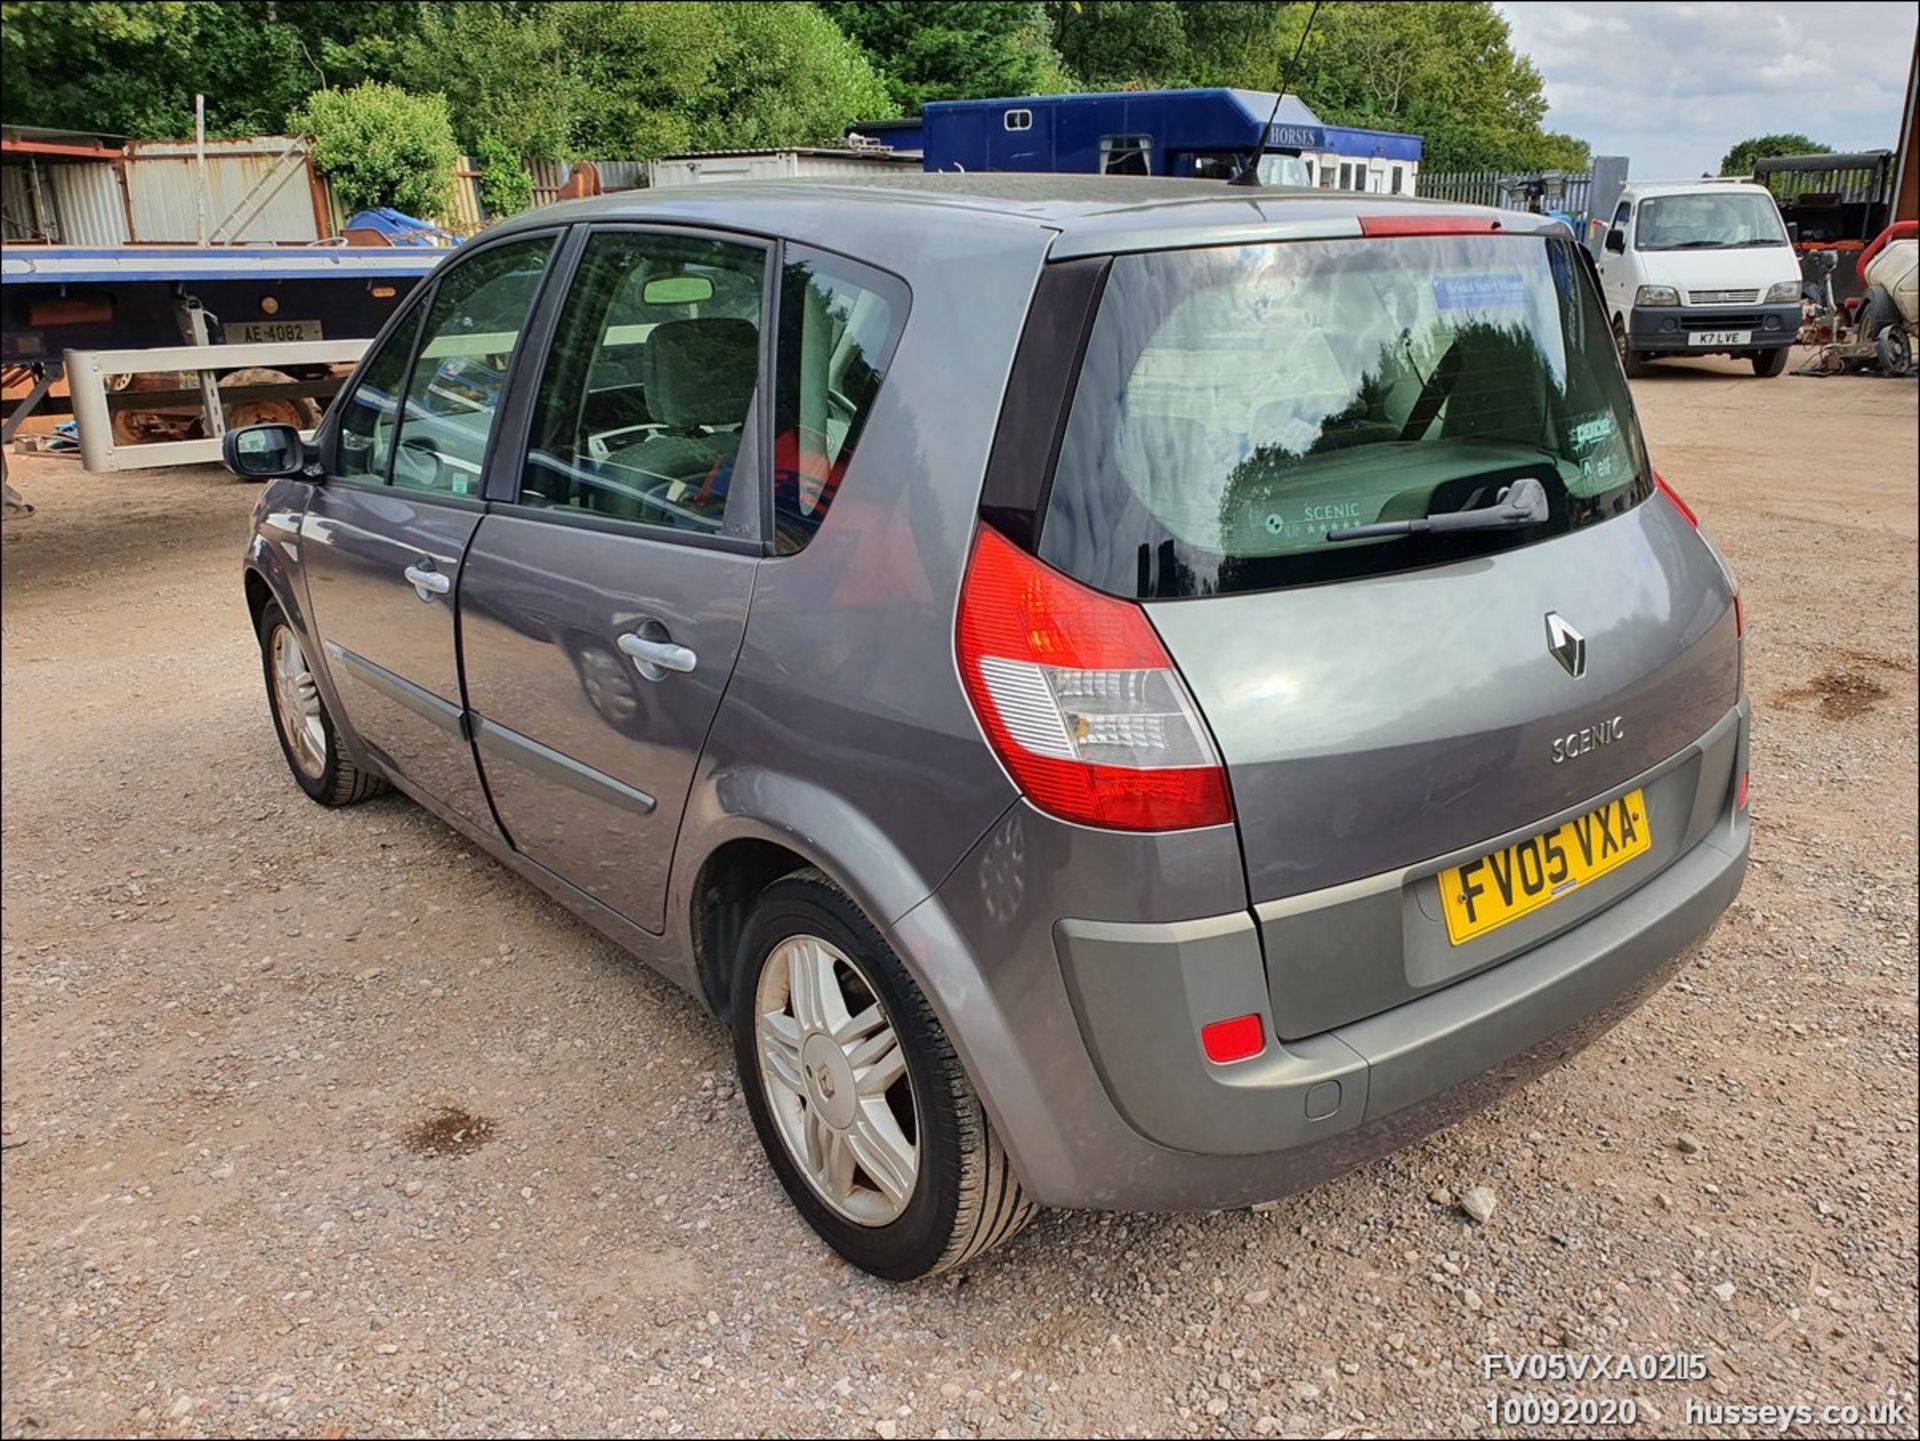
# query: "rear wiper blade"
1520 504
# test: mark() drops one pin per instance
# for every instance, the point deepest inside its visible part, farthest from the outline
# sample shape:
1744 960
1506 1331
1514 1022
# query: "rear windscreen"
1237 405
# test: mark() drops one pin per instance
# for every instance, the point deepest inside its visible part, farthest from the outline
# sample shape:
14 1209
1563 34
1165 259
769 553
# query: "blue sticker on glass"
1501 290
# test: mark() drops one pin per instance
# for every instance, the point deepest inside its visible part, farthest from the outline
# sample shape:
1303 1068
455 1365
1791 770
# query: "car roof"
1089 213
1682 187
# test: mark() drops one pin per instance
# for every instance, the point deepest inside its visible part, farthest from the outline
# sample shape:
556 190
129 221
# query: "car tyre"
1769 363
1632 361
300 718
811 967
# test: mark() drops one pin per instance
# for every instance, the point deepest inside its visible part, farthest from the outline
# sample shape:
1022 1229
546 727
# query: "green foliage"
505 187
378 145
611 80
1123 45
1740 159
1445 69
955 49
133 69
786 76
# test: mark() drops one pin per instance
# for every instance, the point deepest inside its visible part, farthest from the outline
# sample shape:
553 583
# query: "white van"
1701 268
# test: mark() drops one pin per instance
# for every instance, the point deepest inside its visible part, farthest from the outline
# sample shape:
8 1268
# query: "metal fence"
1555 190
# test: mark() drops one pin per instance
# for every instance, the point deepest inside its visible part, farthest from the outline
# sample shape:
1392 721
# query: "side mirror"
1793 232
264 452
1617 241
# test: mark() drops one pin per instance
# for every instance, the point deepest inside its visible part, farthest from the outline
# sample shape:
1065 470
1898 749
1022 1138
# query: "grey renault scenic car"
1121 693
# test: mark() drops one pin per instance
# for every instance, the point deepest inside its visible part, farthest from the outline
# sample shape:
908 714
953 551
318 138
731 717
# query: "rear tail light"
1740 801
1678 504
1080 700
1234 1040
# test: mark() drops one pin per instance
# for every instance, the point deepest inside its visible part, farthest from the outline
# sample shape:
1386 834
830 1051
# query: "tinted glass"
649 391
453 394
839 323
1238 404
1708 220
367 417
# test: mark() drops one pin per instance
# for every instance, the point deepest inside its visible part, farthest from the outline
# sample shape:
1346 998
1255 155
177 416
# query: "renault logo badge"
1566 645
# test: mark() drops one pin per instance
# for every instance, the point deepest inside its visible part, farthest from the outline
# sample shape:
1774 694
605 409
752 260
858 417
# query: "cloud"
1675 86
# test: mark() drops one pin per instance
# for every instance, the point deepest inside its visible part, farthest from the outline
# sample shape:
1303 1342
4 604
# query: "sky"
1674 86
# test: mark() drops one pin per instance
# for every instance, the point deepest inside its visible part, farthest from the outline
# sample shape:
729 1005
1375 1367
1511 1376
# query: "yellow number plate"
1508 884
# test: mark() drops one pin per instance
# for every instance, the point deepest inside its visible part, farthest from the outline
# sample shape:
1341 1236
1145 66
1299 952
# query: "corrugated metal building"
61 186
260 190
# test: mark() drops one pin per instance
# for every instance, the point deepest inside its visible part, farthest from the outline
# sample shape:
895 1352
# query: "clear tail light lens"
1080 700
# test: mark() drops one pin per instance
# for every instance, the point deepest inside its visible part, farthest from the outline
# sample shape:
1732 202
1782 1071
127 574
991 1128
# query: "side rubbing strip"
400 690
549 764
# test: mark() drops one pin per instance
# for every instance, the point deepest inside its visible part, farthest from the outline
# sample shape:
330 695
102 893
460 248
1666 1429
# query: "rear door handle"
659 655
427 582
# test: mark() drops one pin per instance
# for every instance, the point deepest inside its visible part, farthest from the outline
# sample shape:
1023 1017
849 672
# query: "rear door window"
646 409
1239 405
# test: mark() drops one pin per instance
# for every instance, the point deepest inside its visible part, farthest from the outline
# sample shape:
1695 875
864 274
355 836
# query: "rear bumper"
1104 1099
1668 328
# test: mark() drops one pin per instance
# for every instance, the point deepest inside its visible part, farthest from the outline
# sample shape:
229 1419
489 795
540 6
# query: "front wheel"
1632 361
860 1102
1773 362
307 735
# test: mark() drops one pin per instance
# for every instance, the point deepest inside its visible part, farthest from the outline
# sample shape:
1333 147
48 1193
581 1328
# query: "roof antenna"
1249 173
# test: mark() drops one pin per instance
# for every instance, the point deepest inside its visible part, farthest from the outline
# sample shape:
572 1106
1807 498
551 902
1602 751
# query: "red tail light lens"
1080 700
1740 801
1234 1040
1678 504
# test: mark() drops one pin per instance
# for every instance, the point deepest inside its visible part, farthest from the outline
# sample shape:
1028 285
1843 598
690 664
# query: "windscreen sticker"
1589 433
1497 290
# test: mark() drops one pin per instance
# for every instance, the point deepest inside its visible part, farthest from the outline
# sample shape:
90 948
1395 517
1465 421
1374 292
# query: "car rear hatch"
1389 707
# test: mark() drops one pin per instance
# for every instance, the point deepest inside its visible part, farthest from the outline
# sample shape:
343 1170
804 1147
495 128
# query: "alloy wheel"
296 704
836 1082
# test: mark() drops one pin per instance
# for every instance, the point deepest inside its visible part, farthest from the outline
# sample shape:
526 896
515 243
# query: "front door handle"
427 582
657 656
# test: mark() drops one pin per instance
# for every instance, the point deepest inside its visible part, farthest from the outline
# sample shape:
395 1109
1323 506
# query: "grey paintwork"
826 715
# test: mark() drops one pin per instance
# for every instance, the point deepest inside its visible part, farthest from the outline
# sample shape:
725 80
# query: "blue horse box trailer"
1197 133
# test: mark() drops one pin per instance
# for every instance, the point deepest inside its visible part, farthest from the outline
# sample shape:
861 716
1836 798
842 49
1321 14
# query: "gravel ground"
321 1123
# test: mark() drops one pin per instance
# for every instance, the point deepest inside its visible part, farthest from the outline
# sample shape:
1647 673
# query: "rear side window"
839 324
1237 405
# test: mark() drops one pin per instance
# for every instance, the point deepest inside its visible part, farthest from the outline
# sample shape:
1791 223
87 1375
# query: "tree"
787 76
1122 44
505 187
954 49
610 80
378 145
1740 159
505 70
1445 70
133 69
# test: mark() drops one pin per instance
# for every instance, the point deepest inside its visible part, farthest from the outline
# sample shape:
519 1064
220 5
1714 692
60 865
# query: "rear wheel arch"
730 880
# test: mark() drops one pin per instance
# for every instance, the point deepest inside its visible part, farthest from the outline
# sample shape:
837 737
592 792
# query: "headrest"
701 372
